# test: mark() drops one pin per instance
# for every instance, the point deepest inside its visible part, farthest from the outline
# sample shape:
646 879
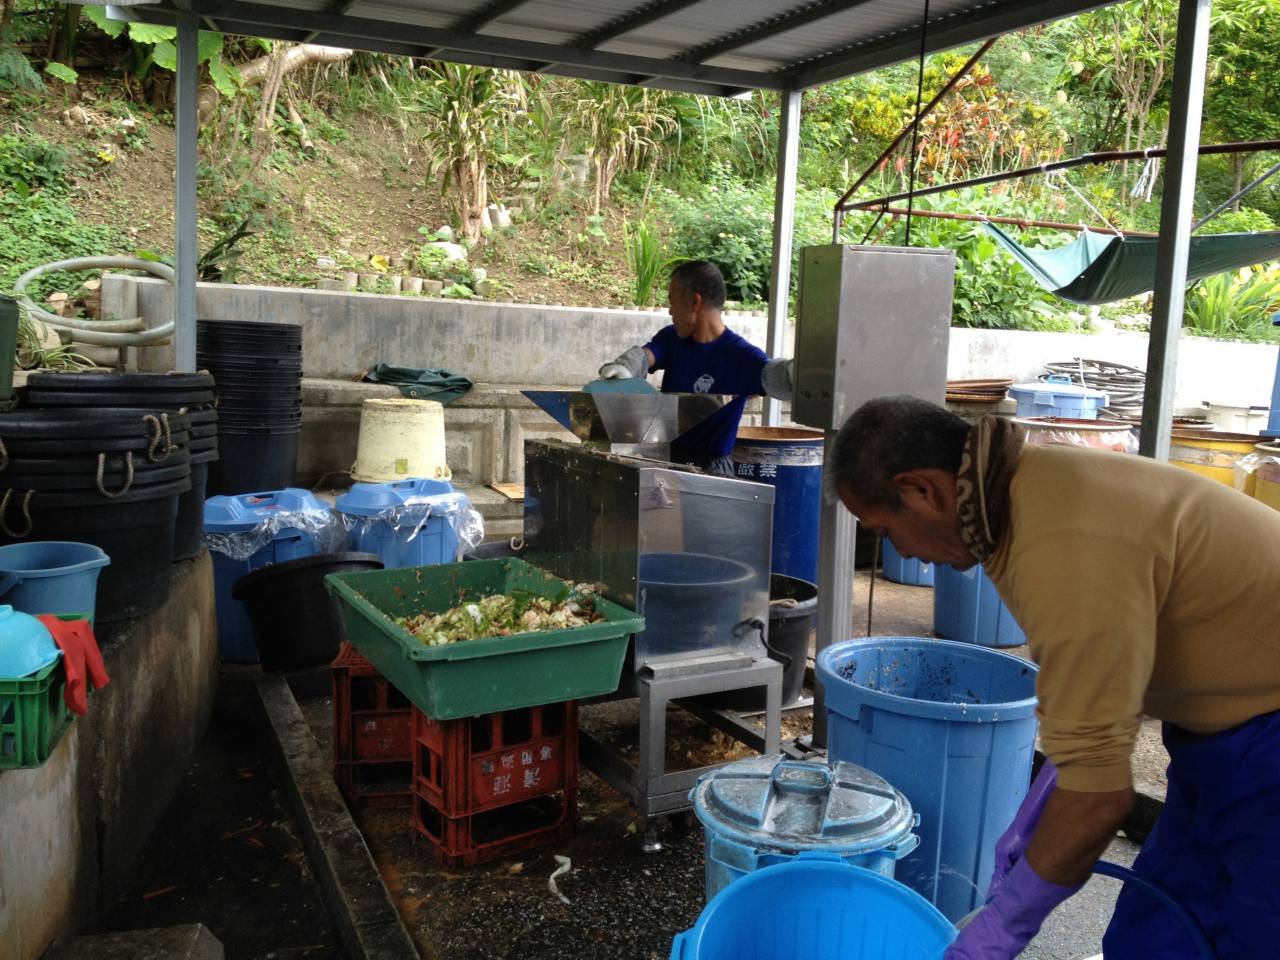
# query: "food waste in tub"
503 615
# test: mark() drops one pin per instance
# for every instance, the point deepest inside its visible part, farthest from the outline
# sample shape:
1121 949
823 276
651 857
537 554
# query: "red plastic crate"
490 786
468 766
372 733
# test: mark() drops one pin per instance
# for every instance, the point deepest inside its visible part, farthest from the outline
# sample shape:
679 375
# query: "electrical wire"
1124 386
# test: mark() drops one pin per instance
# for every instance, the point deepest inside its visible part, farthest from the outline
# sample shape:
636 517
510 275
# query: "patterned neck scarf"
982 485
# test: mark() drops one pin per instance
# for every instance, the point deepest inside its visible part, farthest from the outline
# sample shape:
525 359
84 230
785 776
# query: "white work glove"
632 363
776 378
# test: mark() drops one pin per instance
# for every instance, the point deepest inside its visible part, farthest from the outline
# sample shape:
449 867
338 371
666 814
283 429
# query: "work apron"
1215 848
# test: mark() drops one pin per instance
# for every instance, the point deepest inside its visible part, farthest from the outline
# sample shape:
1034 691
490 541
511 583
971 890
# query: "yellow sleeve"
1088 605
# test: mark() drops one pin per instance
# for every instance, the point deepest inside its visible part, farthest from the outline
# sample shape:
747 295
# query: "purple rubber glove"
1013 842
1011 918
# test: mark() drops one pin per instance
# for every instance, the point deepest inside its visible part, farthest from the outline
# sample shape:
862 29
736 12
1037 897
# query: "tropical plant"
624 126
644 258
463 111
1236 305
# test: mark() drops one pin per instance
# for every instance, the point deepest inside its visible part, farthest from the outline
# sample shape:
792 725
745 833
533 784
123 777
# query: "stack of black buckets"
258 369
117 460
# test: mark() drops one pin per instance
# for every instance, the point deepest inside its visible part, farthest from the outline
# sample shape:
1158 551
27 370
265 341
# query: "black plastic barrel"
188 527
251 462
296 624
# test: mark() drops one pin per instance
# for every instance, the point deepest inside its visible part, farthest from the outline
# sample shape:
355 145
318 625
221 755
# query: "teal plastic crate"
488 675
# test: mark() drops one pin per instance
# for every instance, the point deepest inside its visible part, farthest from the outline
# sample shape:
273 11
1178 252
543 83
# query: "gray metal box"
871 321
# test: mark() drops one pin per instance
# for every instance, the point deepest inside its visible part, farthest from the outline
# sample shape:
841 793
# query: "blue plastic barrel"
238 516
1057 396
407 523
766 810
815 910
789 460
951 725
51 576
966 607
914 572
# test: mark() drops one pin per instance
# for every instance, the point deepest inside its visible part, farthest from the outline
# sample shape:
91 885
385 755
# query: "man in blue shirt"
701 355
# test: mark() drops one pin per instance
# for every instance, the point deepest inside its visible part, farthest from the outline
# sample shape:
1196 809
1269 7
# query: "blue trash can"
51 576
953 727
248 531
913 572
1057 396
767 810
408 523
790 461
815 910
966 607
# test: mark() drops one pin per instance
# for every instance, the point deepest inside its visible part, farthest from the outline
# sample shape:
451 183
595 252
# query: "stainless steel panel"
872 321
688 551
628 422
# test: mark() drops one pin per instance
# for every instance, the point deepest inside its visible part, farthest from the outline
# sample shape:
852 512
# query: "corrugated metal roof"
718 47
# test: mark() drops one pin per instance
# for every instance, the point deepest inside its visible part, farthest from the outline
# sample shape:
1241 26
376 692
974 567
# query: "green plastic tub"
475 677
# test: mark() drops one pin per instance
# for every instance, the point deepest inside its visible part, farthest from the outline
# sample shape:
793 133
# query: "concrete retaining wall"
71 830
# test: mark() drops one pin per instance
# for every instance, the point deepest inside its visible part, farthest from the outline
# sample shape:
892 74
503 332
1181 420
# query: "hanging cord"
1146 180
1060 175
915 127
4 457
128 476
1234 197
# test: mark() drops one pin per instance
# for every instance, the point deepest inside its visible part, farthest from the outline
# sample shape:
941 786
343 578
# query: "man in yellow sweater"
1143 589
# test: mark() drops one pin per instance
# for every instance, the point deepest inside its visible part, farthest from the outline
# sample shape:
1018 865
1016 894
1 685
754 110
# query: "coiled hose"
101 333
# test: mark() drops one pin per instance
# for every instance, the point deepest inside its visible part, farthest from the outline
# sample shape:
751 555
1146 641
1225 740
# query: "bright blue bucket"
951 725
966 607
913 572
789 460
815 910
51 576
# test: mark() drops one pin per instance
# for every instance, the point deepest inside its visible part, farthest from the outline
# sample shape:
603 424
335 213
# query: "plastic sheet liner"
320 523
410 514
1249 465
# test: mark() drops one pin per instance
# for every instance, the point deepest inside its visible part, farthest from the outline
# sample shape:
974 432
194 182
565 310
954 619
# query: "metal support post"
186 251
784 215
836 533
1176 215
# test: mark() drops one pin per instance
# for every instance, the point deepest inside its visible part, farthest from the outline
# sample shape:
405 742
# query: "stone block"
528 424
324 283
191 941
474 446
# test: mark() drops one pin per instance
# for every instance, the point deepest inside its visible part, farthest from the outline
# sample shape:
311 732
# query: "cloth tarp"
437 384
1101 268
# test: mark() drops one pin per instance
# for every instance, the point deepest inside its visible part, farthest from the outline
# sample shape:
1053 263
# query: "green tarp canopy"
1101 267
437 384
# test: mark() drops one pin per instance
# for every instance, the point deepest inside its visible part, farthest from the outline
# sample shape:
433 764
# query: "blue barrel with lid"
967 608
789 460
233 523
1057 396
767 810
407 523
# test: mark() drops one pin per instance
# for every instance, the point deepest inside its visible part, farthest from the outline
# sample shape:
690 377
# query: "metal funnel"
630 420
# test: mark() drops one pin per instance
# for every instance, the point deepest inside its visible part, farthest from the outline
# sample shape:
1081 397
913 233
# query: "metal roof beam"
763 29
485 16
367 34
632 21
953 31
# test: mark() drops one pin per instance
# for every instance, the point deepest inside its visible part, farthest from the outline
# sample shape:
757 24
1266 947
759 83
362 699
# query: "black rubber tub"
96 388
158 399
134 530
296 624
188 525
58 446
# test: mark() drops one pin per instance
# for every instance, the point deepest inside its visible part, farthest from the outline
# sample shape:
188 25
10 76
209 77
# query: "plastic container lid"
797 805
243 512
377 499
26 645
1058 388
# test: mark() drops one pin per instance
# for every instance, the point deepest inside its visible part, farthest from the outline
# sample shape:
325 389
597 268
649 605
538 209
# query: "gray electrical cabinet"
871 322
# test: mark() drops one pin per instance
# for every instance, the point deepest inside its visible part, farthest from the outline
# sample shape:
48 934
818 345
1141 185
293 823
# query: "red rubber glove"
81 659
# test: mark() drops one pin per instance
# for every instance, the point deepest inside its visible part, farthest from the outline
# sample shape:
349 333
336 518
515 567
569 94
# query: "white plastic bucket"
1230 418
400 438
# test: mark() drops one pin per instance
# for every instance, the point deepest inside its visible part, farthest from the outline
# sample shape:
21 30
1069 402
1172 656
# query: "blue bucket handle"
806 777
8 580
1057 378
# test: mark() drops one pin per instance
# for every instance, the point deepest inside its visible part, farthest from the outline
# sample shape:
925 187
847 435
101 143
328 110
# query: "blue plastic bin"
408 523
815 910
240 515
51 576
789 460
767 810
953 727
1057 396
966 607
913 572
